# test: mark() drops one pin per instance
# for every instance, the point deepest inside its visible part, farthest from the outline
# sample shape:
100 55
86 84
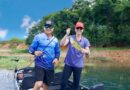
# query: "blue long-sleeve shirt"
50 48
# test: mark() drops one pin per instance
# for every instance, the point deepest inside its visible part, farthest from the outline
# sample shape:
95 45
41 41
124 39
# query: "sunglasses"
48 26
79 28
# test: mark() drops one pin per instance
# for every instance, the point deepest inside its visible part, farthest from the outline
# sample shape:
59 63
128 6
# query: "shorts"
41 74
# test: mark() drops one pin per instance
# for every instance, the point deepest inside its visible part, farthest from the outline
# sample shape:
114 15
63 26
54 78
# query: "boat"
25 80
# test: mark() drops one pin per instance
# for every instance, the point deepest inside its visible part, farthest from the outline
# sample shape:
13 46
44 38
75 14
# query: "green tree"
107 22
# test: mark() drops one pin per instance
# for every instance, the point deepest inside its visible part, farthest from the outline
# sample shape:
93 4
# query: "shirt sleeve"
86 43
57 50
34 45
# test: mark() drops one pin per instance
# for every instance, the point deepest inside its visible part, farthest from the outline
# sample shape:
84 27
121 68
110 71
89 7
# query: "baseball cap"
79 24
48 24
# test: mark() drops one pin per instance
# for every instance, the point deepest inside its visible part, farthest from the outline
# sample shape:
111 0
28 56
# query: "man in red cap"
78 46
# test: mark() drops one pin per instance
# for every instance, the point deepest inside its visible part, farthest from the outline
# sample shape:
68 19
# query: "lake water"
113 76
7 80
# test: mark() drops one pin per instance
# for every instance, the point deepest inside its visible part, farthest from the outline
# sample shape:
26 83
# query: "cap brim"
79 26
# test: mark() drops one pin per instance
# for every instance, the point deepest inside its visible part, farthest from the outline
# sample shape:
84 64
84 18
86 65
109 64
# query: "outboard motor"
26 76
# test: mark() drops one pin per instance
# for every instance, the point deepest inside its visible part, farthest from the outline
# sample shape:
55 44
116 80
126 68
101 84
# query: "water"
114 77
7 80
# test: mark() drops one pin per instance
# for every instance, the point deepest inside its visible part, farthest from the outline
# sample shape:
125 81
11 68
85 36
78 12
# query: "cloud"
73 0
31 25
25 36
3 33
27 23
83 0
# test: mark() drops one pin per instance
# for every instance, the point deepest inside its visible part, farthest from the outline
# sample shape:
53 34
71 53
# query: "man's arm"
33 46
57 53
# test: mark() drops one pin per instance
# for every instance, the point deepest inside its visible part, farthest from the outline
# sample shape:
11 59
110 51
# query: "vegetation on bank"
8 63
98 55
14 43
13 40
18 51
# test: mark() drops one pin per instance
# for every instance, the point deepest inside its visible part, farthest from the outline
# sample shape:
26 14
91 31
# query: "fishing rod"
17 59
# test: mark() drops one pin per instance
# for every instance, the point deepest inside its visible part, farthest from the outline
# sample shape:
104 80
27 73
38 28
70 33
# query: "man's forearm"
31 50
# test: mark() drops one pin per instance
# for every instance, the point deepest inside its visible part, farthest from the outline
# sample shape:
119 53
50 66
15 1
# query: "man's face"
79 30
48 29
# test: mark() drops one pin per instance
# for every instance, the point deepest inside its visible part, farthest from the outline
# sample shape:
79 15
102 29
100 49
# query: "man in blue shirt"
74 57
46 49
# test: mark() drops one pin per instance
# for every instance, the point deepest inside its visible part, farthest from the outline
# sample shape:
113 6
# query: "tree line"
107 22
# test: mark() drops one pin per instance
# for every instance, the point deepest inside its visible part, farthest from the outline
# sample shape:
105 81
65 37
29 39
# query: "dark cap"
48 23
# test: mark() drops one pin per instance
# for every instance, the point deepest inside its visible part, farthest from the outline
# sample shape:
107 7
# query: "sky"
17 16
